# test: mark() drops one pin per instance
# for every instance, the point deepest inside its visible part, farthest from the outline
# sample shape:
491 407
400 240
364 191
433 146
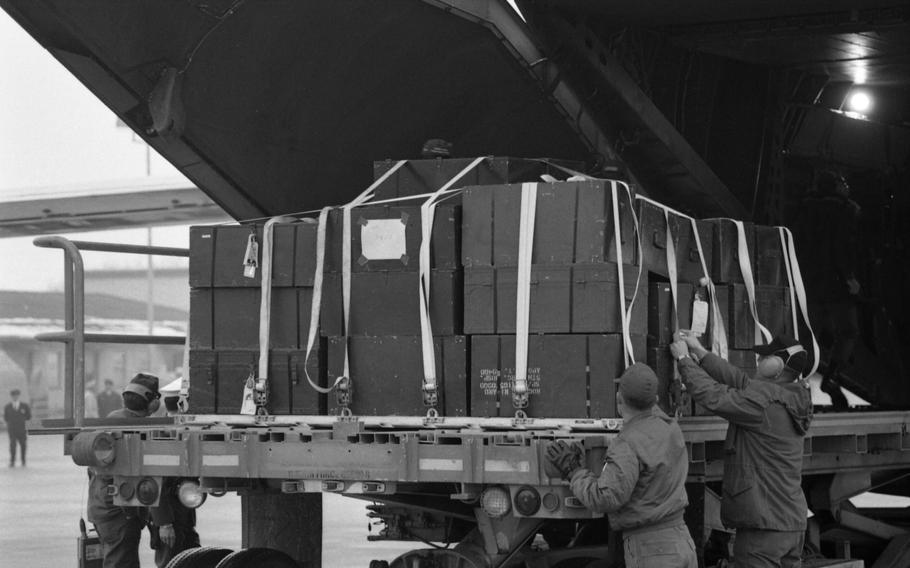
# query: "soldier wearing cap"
642 484
172 526
769 416
120 528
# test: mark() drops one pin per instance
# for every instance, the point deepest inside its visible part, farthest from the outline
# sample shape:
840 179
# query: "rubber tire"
199 557
258 558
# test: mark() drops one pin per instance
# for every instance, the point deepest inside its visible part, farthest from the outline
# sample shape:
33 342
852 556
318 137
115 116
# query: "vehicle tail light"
190 494
495 502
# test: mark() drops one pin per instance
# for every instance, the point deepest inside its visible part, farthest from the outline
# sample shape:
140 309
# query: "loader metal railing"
73 335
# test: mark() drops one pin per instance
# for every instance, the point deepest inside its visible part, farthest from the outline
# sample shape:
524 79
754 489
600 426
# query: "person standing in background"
91 400
16 414
108 400
830 220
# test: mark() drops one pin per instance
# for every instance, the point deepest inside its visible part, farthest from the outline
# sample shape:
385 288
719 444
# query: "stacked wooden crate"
576 348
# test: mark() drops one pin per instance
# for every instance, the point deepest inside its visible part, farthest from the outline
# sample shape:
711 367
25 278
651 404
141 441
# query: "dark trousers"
666 547
755 548
187 538
119 537
20 438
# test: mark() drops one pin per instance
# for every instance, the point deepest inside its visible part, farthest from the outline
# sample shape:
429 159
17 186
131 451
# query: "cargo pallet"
477 483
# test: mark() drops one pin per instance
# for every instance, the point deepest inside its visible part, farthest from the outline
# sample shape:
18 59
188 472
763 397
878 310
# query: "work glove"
563 459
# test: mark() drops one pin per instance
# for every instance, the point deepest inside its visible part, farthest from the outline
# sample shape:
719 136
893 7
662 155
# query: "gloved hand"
167 535
563 459
679 349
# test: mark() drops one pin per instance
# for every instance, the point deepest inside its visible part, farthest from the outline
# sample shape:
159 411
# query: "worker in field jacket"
172 526
120 528
769 416
641 487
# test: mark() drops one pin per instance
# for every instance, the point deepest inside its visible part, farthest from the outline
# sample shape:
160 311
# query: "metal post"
150 302
68 358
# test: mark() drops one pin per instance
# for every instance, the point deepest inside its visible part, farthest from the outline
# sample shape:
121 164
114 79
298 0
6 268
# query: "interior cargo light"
527 501
495 502
147 491
860 102
190 494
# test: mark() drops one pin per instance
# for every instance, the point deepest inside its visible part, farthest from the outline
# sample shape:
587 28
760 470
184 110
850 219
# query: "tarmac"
40 507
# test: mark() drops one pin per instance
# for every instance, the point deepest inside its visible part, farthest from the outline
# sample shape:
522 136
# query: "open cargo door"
281 107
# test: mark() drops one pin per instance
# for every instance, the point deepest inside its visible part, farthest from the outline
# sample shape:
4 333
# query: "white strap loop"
523 293
745 266
316 302
183 400
427 218
800 290
265 306
625 313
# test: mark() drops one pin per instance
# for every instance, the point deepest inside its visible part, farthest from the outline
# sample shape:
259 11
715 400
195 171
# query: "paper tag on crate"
248 406
251 257
699 317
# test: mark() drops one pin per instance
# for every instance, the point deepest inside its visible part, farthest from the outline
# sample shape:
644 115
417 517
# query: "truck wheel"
258 558
200 557
436 557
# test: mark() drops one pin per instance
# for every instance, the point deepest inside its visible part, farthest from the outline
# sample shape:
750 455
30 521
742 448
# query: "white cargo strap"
718 329
265 312
794 308
672 275
427 216
624 313
799 288
183 400
564 169
745 266
364 196
527 216
316 302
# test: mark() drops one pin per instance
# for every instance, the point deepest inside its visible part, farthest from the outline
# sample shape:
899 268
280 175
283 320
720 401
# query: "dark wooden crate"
688 261
580 298
491 296
725 267
660 359
387 375
595 298
387 303
426 176
768 261
772 303
660 310
565 373
217 254
217 379
573 223
228 318
653 227
445 243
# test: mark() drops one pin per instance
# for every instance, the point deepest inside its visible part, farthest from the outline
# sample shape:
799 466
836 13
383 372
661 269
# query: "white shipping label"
383 239
699 317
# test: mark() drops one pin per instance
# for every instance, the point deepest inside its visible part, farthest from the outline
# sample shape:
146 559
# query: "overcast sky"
54 132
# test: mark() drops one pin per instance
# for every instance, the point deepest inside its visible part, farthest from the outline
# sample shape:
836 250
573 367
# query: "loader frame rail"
73 336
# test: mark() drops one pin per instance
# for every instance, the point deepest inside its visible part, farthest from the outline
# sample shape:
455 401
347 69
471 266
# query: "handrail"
74 336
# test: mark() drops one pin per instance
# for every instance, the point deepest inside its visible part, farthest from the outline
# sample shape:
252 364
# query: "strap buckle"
344 392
